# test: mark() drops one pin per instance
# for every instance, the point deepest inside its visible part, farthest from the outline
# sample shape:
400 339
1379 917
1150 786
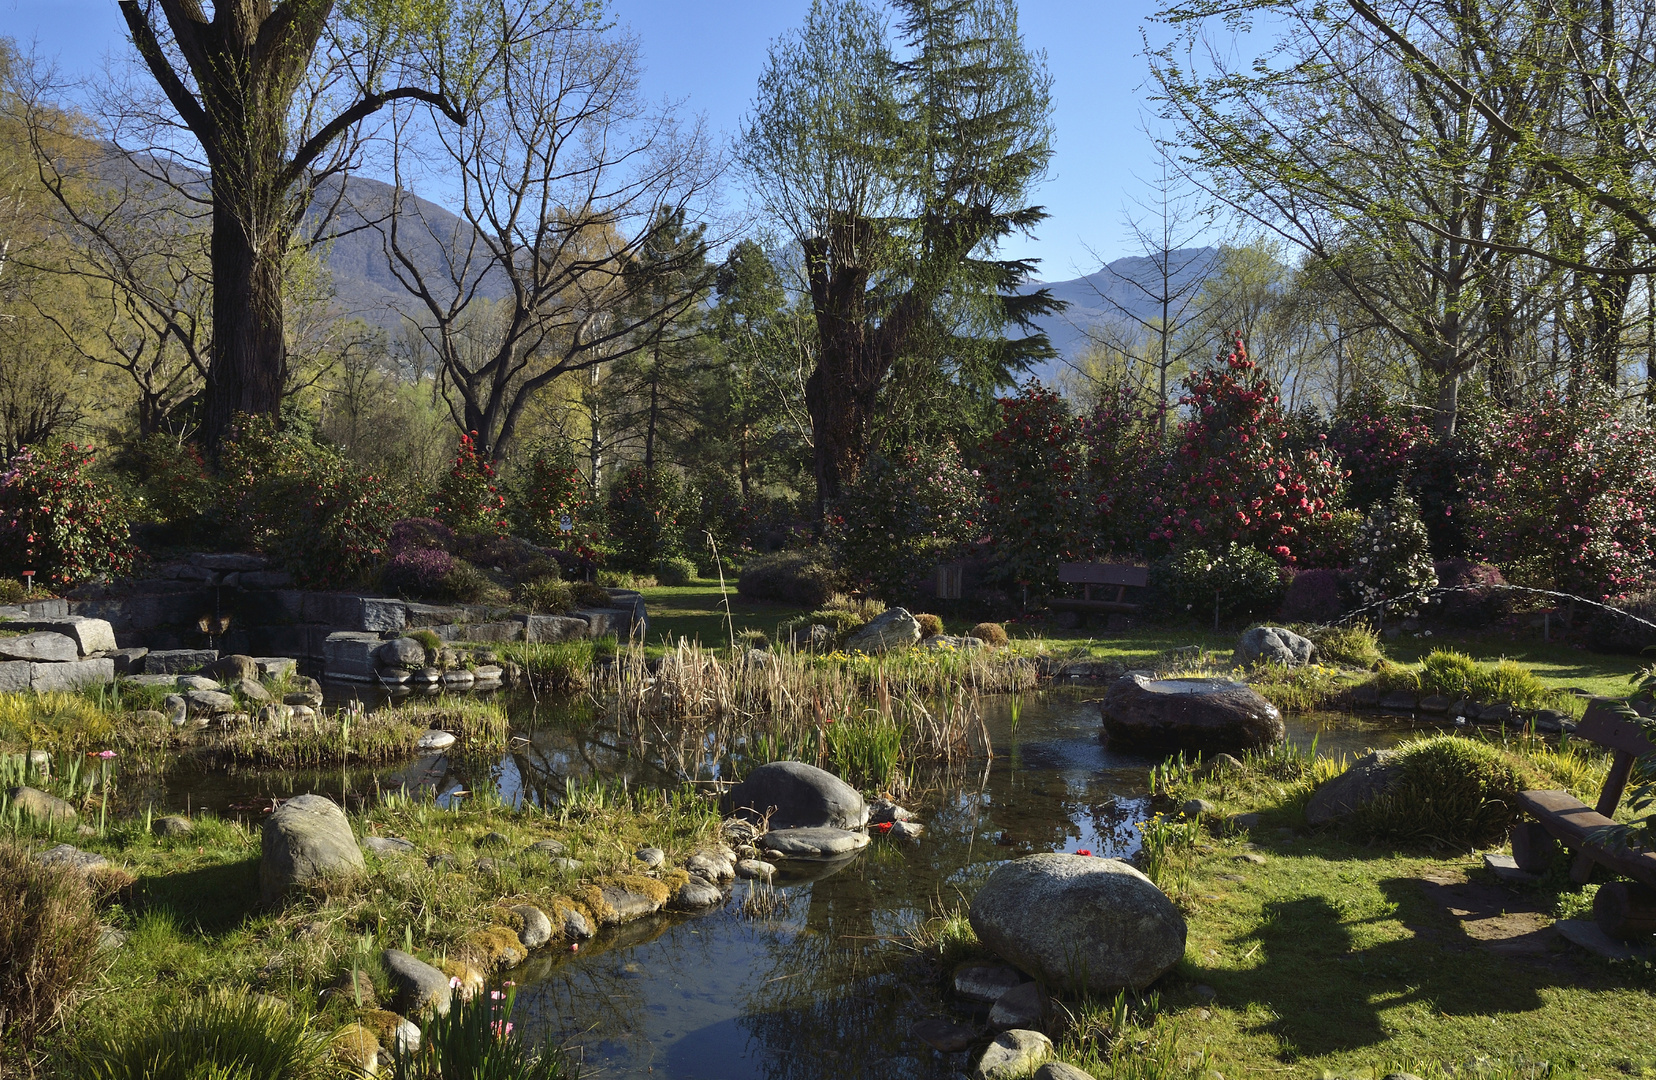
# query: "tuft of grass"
1297 689
478 1040
989 633
225 1035
48 945
547 596
1169 846
559 667
1451 790
1354 646
947 937
930 625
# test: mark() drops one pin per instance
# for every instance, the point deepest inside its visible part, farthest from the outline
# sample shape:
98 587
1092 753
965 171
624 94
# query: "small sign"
565 525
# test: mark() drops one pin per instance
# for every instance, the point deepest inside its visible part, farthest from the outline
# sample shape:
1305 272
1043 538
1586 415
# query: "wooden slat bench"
1091 575
1561 818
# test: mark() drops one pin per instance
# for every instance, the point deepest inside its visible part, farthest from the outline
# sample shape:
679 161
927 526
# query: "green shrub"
1449 790
930 625
224 1036
752 638
839 620
48 944
59 521
427 638
551 493
11 591
466 584
1456 675
989 633
675 571
170 477
1240 582
547 595
1356 646
589 595
625 579
644 508
803 577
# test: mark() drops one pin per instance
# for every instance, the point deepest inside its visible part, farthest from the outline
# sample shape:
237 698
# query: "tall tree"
275 92
899 178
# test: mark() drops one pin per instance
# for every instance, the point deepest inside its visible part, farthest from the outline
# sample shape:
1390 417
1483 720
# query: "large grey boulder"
209 702
40 805
555 628
537 928
177 661
893 629
1086 924
819 843
43 645
404 652
1013 1053
1189 714
15 676
74 675
227 669
349 654
308 838
89 635
1367 779
796 795
1273 645
416 986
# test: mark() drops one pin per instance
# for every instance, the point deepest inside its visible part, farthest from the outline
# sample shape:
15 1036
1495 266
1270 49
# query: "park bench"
1621 909
1092 575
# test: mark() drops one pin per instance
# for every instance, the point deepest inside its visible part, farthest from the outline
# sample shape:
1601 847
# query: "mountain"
1095 298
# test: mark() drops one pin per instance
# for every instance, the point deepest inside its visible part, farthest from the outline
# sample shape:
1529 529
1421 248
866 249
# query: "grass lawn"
696 613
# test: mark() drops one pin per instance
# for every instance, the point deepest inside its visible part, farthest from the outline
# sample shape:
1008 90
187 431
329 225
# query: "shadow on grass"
210 899
1325 993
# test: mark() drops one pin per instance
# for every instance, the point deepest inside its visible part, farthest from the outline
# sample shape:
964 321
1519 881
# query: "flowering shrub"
305 504
1474 601
468 498
1034 480
56 520
644 510
904 514
171 476
1232 479
1238 582
411 533
1393 560
550 490
1570 500
1315 596
417 571
1121 444
1377 444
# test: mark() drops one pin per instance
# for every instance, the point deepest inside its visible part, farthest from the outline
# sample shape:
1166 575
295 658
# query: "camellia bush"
1034 488
644 511
60 522
552 493
1394 564
1121 446
1570 500
904 515
1377 444
1234 582
469 499
1232 478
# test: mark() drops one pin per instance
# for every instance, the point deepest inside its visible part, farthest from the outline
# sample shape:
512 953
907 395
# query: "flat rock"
1399 701
252 690
44 646
310 699
628 905
172 825
796 795
45 678
696 894
1013 1053
1190 714
209 702
1058 1070
387 845
1273 645
884 811
821 843
1505 868
151 680
755 870
275 667
231 668
72 858
943 1036
40 805
1586 933
1023 1006
652 857
712 865
1435 704
537 928
1367 778
555 628
88 635
177 661
197 682
891 629
434 741
308 838
548 848
986 982
1083 923
416 986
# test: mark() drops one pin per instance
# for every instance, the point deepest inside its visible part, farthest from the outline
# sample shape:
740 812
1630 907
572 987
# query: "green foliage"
11 591
428 639
675 571
48 944
550 489
1356 646
466 584
1449 790
1456 675
171 478
60 522
1240 582
643 511
865 750
547 596
478 1040
1033 479
906 513
304 504
1393 560
804 577
225 1035
588 594
469 499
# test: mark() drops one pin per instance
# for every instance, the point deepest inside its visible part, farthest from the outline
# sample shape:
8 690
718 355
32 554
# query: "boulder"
71 858
387 845
228 669
1086 924
177 661
1013 1053
276 667
695 895
40 805
652 857
985 982
434 741
711 865
1189 714
209 703
797 795
819 843
1367 779
172 825
306 839
89 635
1273 645
129 661
555 628
253 690
893 629
1058 1070
549 848
75 675
755 870
404 652
627 905
349 654
42 645
1023 1006
197 682
416 986
537 928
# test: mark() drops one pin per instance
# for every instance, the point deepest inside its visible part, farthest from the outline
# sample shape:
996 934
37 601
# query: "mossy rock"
358 1048
594 906
383 1023
675 879
472 979
493 947
560 907
654 888
1447 790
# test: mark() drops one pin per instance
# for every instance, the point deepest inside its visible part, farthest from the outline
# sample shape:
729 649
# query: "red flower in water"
1083 851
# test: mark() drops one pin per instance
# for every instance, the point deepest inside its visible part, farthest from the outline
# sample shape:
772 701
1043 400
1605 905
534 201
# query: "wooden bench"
1091 575
1621 910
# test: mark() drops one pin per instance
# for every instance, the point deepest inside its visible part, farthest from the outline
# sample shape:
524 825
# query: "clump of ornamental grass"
989 633
1354 646
1450 791
224 1035
48 945
562 667
547 596
930 625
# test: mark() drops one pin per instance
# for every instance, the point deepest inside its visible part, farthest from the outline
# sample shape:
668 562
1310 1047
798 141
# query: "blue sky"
708 53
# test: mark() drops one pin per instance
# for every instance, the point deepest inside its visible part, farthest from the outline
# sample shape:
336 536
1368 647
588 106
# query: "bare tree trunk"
248 369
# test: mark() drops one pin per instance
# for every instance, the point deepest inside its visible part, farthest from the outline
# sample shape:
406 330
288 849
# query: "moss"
357 1047
382 1023
429 640
492 947
599 910
472 980
1450 790
560 908
655 889
989 633
930 625
675 879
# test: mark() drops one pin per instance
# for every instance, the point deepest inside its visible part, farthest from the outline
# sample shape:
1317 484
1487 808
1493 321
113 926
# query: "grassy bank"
189 904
